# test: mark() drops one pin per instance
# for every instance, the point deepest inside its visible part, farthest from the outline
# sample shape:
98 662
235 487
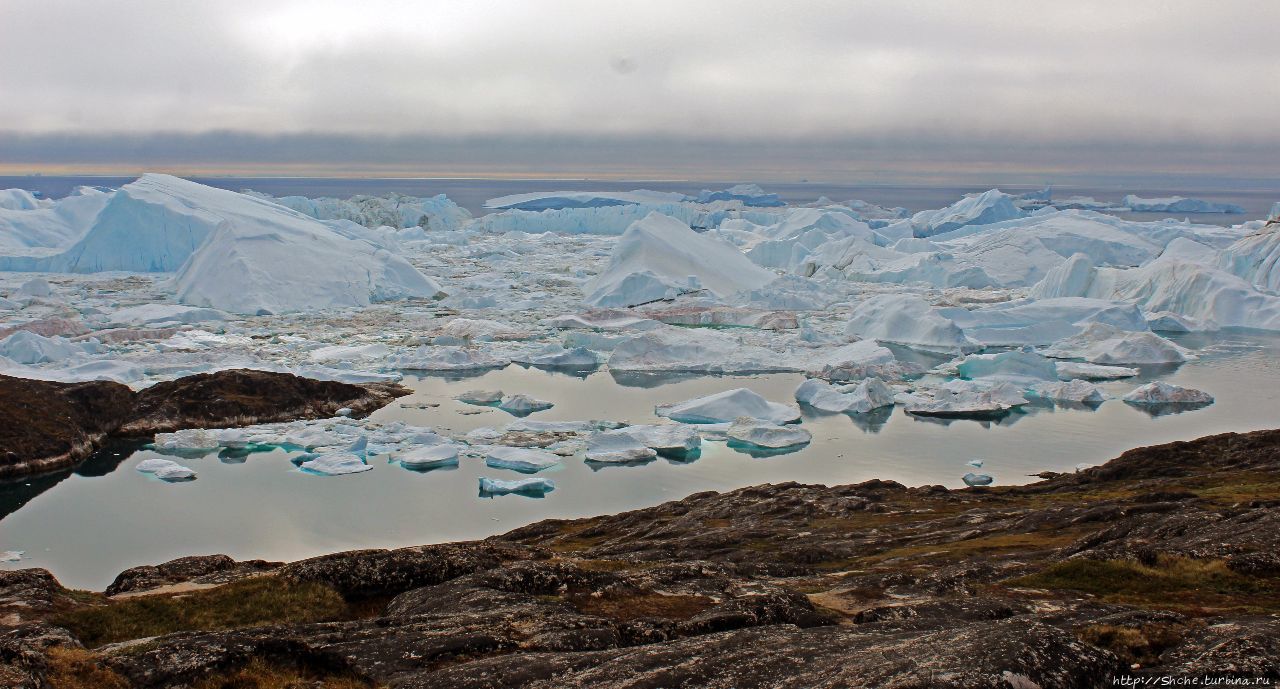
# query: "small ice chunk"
519 459
763 434
667 439
975 463
521 405
617 447
165 469
152 465
867 395
727 406
1069 391
972 479
430 457
335 464
528 486
186 440
484 398
1071 370
345 411
12 555
1165 393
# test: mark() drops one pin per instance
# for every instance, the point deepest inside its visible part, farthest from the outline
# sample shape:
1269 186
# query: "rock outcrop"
1159 563
45 426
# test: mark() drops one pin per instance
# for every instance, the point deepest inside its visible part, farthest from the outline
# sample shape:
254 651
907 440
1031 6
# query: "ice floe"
527 486
752 431
727 406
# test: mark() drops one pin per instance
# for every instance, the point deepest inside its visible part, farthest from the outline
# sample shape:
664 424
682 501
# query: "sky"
849 89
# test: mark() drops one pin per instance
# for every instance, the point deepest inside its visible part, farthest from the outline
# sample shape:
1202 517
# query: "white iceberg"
519 458
854 361
1071 370
751 431
977 209
26 347
1100 343
1015 366
484 398
617 447
431 358
660 254
966 399
1159 393
165 470
1177 204
908 320
693 349
523 404
868 395
335 464
1081 391
533 486
555 200
429 457
672 439
727 406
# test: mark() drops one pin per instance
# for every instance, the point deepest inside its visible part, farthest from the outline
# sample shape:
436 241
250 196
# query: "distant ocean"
472 193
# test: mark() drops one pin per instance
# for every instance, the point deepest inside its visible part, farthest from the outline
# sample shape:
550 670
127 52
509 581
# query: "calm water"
88 525
472 193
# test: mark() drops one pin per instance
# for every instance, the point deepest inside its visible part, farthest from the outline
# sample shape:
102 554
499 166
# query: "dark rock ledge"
1160 563
45 426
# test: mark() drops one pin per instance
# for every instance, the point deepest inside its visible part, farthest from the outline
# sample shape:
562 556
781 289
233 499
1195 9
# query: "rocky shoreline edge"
1160 563
46 426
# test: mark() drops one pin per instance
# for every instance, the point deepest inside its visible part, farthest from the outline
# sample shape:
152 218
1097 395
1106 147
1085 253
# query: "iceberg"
966 399
429 457
165 470
430 213
151 314
978 209
1159 393
756 433
692 350
556 200
335 464
430 358
1080 391
1015 366
187 441
855 361
1043 321
528 486
483 398
675 440
748 194
556 356
26 347
861 398
523 405
971 479
725 407
1100 343
519 459
617 447
908 320
659 255
1176 204
29 225
1256 258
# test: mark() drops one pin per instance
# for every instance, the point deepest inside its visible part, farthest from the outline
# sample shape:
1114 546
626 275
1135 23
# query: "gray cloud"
1066 75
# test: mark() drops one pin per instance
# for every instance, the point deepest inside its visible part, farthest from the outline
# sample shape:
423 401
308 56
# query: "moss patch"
76 668
246 603
1173 582
259 674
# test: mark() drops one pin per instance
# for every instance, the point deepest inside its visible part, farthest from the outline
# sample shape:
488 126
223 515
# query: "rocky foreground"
1161 562
46 426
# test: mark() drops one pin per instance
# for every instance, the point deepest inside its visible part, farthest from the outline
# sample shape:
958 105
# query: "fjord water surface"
89 524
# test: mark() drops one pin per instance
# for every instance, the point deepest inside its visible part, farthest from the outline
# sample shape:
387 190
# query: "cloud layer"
1047 71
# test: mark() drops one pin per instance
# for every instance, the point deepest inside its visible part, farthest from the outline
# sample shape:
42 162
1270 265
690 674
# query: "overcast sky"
1108 83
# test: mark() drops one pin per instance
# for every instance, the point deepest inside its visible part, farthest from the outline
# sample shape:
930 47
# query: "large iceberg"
393 210
908 320
27 223
748 194
690 350
728 406
556 200
1177 204
1256 258
863 397
660 256
978 209
1100 343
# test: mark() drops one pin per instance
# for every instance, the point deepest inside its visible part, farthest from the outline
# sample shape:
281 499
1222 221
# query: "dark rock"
27 594
46 426
377 573
241 397
199 569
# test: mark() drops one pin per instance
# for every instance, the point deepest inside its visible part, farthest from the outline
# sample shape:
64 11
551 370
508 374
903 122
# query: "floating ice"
727 406
531 486
165 469
660 254
521 405
430 358
429 457
676 440
1070 370
978 209
689 349
1158 392
148 314
519 459
12 555
191 440
908 320
1177 204
758 433
26 347
972 479
555 200
748 194
966 399
335 464
861 398
481 397
617 447
1069 391
1104 344
1013 366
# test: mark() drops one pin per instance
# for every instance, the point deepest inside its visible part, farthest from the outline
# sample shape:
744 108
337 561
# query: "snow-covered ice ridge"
165 277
